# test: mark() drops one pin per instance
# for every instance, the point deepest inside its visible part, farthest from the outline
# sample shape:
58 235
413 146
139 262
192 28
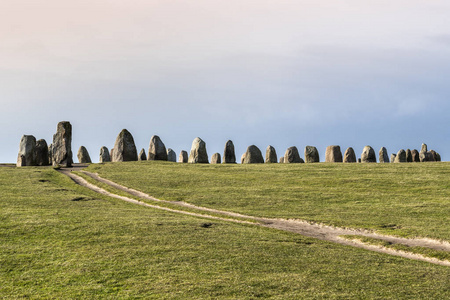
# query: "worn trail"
317 231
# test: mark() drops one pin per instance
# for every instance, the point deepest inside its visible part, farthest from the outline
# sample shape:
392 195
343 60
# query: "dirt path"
317 231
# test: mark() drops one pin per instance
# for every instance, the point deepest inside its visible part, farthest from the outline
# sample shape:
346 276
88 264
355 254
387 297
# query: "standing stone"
229 157
349 155
311 154
291 156
198 152
27 151
112 153
157 149
423 153
171 155
408 155
368 155
393 156
282 160
50 154
183 157
431 155
271 155
104 155
415 156
383 155
62 145
359 160
142 156
401 156
41 153
437 156
83 156
215 159
333 154
252 156
124 147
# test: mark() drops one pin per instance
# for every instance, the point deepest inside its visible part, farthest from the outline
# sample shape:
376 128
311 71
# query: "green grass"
59 240
409 200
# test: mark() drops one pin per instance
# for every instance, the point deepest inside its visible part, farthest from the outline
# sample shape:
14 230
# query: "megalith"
183 157
252 156
83 156
104 155
124 147
408 155
368 155
423 153
171 155
50 154
62 145
271 155
291 156
42 153
142 156
415 155
311 154
401 156
27 151
432 155
198 152
216 159
111 153
282 160
157 149
383 156
333 154
229 157
349 155
393 156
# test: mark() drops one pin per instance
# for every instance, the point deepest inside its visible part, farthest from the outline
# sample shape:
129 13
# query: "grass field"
59 240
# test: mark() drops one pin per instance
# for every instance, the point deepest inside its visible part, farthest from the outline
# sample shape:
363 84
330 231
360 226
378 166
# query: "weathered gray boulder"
142 156
423 153
104 155
171 155
282 160
62 145
431 155
50 154
383 155
437 156
415 156
42 153
229 157
333 154
349 155
216 159
368 155
408 155
183 157
401 156
393 156
291 156
27 151
311 154
156 149
83 156
124 147
252 156
271 155
198 152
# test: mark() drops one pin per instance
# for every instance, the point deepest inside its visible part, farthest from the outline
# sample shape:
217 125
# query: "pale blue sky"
284 73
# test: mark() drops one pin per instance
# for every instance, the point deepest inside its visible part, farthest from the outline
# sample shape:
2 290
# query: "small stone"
333 154
393 156
171 155
112 153
271 155
368 155
157 149
124 147
142 156
27 151
62 145
311 154
415 156
252 156
83 156
401 156
198 152
229 157
383 155
42 153
282 160
291 156
183 158
215 159
359 160
349 155
408 155
104 155
50 154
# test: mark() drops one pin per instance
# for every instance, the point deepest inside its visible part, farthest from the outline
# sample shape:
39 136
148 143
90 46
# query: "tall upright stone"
157 149
183 157
291 156
104 155
124 147
252 156
423 153
62 145
409 155
383 155
271 155
349 155
50 154
282 160
42 153
393 156
216 159
142 156
83 156
171 155
333 154
415 155
229 157
27 151
368 155
311 154
198 152
401 156
111 153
